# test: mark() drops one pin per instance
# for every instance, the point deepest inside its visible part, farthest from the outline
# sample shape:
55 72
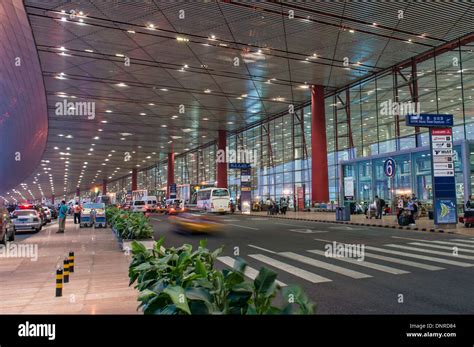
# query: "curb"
357 223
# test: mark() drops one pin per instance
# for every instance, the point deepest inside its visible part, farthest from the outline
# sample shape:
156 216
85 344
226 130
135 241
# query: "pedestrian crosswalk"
314 266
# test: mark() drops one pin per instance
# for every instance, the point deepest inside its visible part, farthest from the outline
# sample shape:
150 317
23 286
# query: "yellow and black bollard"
66 270
59 282
71 261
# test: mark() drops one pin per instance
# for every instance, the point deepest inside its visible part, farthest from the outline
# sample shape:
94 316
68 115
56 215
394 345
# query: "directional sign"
429 120
443 152
442 145
443 159
389 167
437 138
443 166
239 166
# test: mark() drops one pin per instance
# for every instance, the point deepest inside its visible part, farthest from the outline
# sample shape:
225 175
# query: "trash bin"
343 214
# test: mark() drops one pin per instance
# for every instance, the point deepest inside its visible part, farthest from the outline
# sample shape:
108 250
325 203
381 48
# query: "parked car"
54 212
27 220
7 230
47 213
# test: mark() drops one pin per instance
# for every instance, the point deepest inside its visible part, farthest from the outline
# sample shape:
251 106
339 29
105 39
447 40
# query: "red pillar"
319 157
134 179
170 173
222 167
104 187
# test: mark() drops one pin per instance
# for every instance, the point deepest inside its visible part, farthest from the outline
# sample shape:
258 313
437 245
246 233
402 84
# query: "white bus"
214 200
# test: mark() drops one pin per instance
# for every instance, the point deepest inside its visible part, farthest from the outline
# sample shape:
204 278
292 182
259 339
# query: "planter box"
127 244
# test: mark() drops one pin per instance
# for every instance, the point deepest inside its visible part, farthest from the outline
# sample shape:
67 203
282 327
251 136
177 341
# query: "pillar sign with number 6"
389 167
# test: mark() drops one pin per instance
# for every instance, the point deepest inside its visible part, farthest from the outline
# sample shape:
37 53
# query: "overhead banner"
429 120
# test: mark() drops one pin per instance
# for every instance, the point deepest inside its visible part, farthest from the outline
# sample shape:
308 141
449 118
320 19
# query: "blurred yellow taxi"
194 223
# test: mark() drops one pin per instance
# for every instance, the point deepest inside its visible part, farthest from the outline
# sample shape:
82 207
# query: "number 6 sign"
389 167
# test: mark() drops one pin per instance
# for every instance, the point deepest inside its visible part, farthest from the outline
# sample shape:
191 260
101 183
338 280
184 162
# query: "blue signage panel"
389 167
239 166
444 179
429 120
445 211
173 188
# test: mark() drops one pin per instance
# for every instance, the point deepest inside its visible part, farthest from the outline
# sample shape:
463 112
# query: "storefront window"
364 186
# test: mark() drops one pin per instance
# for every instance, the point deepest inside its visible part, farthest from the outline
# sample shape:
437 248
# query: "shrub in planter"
137 227
184 281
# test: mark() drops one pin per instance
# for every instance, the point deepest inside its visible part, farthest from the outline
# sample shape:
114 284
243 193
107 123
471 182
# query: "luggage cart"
87 216
100 220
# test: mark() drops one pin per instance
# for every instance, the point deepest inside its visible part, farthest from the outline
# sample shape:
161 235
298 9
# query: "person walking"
411 208
378 207
62 213
284 206
77 213
269 206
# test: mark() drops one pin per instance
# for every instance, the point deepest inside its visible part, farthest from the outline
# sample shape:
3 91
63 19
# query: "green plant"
130 225
184 281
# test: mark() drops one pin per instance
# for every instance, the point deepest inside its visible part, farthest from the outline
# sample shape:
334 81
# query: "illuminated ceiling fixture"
121 84
131 31
151 104
351 31
103 121
164 89
182 39
89 50
213 37
142 114
207 91
119 55
150 26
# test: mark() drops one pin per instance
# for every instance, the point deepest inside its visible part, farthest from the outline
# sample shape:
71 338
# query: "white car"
26 220
138 206
47 213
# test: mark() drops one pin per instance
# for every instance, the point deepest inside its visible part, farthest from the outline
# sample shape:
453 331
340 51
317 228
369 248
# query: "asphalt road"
426 278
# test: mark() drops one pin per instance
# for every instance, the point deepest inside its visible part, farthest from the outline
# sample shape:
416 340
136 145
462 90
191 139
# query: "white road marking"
364 263
323 265
258 218
306 275
262 249
158 220
241 226
230 220
435 241
250 272
307 231
322 240
342 228
451 248
410 255
462 240
453 243
403 262
417 249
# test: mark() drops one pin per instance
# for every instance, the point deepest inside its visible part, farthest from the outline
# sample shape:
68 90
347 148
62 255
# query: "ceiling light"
56 147
143 114
182 39
205 119
351 31
121 84
131 31
119 55
96 138
163 125
151 26
69 136
103 121
122 138
151 104
230 122
213 37
207 91
89 50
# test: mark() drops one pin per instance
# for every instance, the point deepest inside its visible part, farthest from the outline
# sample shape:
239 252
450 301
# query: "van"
138 206
151 203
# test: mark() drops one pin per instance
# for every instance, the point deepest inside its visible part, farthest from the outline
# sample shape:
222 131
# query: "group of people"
274 207
408 209
64 210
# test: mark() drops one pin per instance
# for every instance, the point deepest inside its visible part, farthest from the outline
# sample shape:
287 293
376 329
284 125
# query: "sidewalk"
422 224
99 284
